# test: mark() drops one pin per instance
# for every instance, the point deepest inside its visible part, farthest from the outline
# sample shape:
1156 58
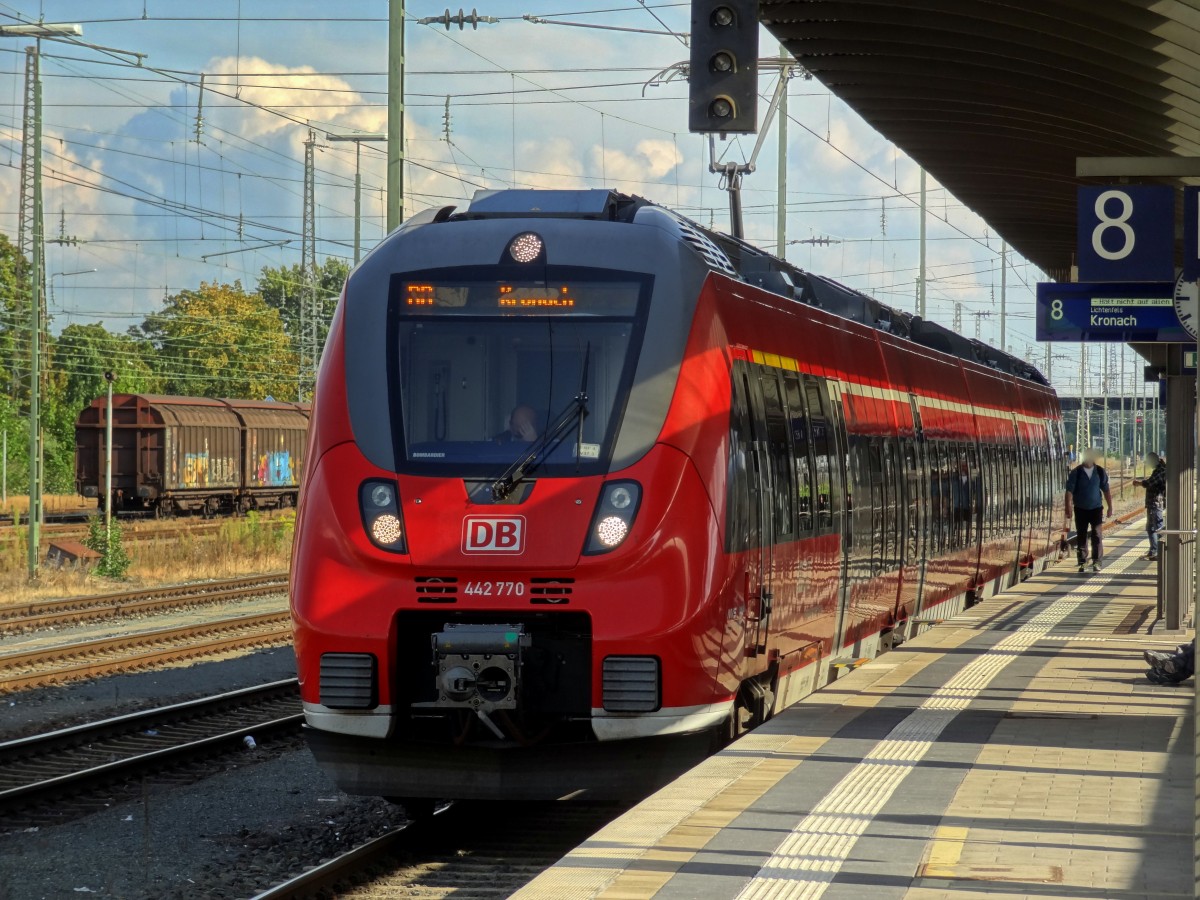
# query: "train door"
915 498
974 500
841 499
753 498
916 465
779 493
1050 476
1020 514
885 484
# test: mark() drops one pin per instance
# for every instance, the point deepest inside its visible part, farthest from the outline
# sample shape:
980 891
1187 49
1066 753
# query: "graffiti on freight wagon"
195 470
201 471
275 468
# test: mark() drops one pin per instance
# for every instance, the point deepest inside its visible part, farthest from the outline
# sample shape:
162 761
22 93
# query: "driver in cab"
522 426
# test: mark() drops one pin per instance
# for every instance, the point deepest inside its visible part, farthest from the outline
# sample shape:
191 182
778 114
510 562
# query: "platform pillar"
1181 451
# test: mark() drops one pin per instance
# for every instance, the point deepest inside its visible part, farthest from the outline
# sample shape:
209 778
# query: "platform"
1014 751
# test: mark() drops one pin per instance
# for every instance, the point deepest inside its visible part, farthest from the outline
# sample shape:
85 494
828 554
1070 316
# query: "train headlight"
620 497
614 515
611 530
378 501
386 529
525 248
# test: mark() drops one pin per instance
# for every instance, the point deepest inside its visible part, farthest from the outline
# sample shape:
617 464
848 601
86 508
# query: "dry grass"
255 544
50 503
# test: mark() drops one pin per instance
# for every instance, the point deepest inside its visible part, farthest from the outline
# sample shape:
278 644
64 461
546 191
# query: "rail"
54 613
77 759
460 849
325 876
70 662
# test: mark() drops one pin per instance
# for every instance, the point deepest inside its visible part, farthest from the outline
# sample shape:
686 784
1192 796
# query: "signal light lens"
722 16
378 502
613 519
722 62
525 248
721 108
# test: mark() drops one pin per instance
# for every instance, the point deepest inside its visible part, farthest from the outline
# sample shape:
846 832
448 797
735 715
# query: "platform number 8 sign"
1126 233
1191 233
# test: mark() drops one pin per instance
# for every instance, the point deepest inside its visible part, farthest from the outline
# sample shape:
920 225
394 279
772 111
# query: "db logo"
487 534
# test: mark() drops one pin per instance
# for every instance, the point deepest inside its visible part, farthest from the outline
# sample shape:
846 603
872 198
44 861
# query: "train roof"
155 400
738 259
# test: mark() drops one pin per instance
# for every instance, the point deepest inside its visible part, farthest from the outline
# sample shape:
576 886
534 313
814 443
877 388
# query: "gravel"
43 709
228 836
265 815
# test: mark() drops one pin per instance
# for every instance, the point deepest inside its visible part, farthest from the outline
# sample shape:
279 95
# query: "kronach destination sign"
1111 311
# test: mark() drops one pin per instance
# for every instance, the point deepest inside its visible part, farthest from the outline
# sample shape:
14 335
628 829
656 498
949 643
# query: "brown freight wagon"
189 454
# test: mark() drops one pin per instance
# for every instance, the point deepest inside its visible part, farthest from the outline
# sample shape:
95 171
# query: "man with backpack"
1087 493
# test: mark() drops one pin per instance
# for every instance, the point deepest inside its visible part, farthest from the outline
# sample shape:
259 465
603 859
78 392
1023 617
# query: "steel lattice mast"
307 339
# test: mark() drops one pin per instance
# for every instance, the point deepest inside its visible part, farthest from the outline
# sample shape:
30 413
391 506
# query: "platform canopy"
997 99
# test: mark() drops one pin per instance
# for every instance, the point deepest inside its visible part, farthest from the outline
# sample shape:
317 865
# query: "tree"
14 320
83 353
76 362
14 422
219 341
285 288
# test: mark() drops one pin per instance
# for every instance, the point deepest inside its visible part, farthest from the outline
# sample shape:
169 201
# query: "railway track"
37 772
131 652
138 529
465 850
56 613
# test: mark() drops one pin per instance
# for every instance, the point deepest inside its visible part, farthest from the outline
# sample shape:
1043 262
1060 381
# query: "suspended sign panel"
1126 233
1140 312
1191 233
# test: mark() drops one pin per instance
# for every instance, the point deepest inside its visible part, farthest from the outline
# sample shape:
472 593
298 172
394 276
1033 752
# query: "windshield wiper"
576 410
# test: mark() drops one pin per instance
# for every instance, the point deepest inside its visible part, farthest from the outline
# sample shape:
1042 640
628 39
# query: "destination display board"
1123 312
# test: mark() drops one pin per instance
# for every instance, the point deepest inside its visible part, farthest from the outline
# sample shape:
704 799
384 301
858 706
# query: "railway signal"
723 92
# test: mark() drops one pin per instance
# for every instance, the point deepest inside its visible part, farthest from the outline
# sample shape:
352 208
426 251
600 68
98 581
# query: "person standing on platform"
1156 499
1086 494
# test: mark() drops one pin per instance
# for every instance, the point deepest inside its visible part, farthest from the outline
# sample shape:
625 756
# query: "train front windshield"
488 366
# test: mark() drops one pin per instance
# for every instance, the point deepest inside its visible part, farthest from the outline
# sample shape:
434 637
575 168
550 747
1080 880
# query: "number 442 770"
495 589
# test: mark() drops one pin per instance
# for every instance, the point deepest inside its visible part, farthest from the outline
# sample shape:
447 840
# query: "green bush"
114 561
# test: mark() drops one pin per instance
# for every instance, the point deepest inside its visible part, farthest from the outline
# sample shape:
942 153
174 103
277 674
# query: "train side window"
1003 479
739 523
757 477
1006 473
798 419
1028 500
952 492
997 492
993 508
779 450
879 517
942 484
985 486
967 482
823 447
912 481
893 510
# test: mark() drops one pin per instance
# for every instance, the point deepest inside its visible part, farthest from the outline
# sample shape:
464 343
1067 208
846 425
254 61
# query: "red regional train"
591 489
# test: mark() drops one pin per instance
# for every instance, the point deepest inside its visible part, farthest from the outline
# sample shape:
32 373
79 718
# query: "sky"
157 181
